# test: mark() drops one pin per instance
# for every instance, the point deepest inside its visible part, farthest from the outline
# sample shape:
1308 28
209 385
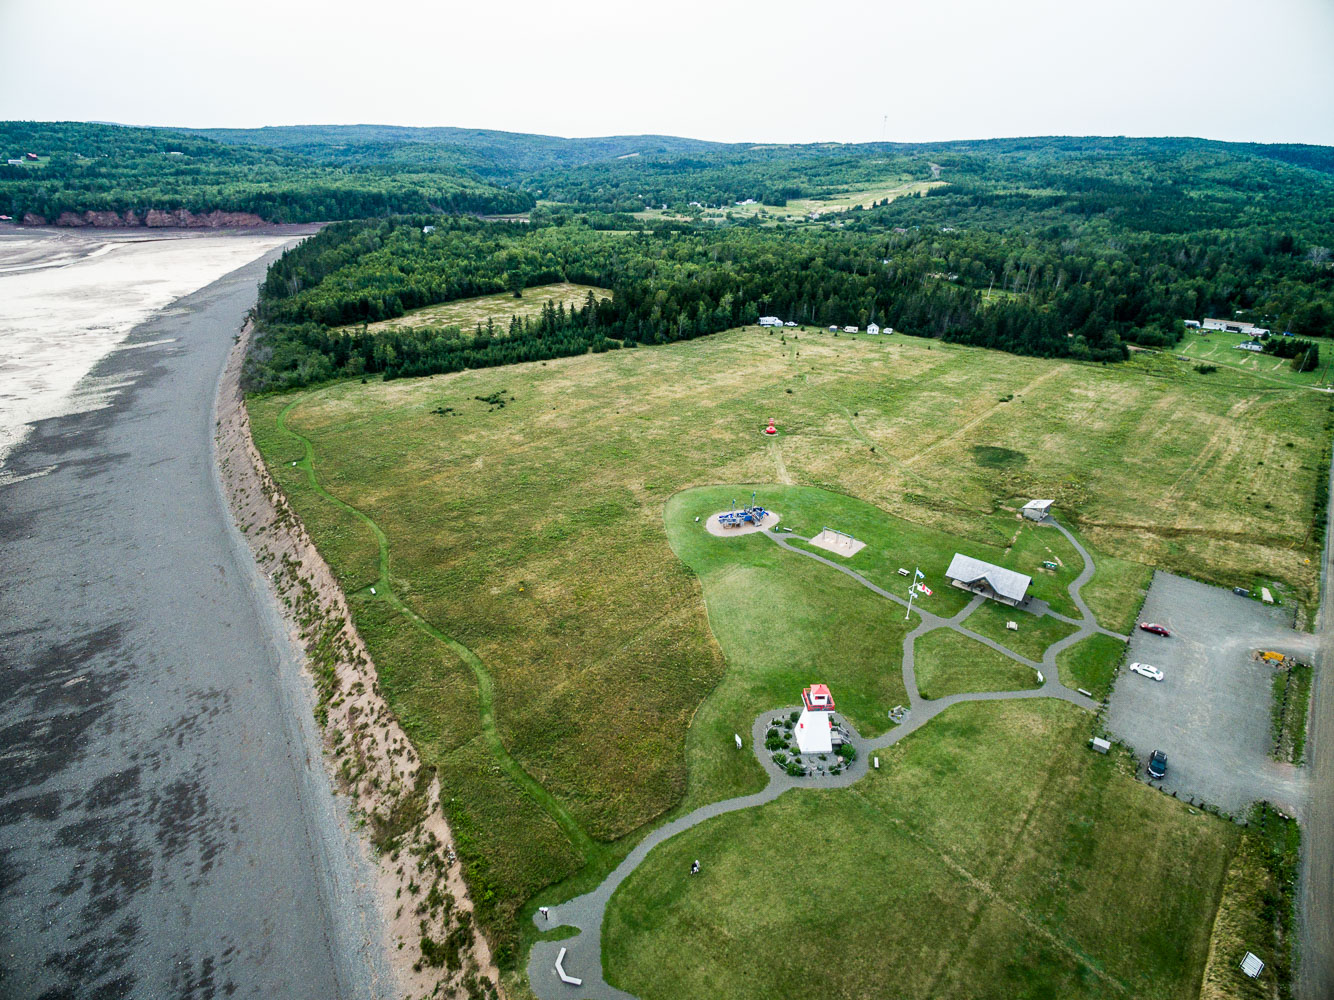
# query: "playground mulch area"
714 527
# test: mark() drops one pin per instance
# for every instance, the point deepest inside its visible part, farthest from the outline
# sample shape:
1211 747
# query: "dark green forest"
106 168
1056 246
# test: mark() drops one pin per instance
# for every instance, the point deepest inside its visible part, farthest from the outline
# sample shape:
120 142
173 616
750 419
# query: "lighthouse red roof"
817 698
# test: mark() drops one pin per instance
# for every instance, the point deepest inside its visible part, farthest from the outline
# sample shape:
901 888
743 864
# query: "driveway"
1211 712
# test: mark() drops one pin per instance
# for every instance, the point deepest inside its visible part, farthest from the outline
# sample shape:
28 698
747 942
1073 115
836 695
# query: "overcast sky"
775 71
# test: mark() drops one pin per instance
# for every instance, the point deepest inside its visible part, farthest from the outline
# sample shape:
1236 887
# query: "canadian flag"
924 589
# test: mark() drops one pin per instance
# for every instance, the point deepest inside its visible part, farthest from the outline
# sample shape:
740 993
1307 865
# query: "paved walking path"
583 959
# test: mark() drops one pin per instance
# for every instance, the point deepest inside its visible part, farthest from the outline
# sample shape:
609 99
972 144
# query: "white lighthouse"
816 725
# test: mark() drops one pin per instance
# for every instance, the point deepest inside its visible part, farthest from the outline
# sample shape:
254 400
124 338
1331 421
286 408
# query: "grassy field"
1032 637
991 856
467 313
946 662
1257 912
534 538
1091 664
1217 348
841 201
835 201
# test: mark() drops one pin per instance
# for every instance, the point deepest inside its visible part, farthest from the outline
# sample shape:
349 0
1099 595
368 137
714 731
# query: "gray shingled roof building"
995 582
1036 510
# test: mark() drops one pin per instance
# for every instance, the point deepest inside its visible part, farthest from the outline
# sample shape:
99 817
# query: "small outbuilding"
849 329
1037 510
770 321
994 582
873 329
1252 966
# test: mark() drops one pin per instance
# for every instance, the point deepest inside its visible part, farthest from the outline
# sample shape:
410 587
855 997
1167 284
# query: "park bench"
560 971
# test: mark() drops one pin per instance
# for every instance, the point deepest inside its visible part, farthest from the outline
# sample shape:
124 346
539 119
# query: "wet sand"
69 297
167 826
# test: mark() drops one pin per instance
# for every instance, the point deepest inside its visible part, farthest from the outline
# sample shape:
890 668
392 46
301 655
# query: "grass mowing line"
991 894
550 804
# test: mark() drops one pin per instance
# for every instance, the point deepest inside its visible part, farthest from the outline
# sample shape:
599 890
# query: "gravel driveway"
1211 712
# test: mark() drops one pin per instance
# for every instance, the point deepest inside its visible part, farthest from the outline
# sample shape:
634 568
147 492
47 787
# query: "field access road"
1315 969
167 827
586 913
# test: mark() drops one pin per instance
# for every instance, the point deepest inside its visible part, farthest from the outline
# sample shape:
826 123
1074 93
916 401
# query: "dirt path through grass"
383 590
964 428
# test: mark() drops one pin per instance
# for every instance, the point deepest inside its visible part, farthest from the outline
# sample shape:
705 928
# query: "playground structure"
838 542
741 520
747 515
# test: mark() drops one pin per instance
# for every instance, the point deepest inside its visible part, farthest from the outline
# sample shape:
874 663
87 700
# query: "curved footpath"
167 826
586 914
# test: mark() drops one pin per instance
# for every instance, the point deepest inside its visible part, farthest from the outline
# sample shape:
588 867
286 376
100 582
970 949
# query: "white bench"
560 971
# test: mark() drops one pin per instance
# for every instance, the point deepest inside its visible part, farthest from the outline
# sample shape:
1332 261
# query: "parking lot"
1210 713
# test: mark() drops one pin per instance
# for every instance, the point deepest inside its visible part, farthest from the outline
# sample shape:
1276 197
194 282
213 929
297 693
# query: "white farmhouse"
1235 326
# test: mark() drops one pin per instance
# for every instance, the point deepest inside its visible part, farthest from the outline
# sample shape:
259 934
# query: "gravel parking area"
1210 714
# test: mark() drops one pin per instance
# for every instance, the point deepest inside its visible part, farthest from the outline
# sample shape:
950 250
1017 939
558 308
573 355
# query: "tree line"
103 168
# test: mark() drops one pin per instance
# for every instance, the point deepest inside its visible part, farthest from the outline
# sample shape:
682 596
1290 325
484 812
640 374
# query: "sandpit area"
839 544
714 528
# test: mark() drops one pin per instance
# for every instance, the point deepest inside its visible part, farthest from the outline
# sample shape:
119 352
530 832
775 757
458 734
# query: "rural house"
996 582
872 329
1250 345
1235 326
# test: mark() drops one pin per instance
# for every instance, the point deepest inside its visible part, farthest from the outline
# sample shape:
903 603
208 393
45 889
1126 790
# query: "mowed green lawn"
945 663
1091 664
992 856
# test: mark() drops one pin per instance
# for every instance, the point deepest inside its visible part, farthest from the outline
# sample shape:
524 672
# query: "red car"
1155 629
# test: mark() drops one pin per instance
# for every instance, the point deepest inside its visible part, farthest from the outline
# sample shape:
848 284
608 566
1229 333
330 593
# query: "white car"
1144 670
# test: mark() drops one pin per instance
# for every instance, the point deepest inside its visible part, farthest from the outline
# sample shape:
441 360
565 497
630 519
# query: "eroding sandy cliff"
433 941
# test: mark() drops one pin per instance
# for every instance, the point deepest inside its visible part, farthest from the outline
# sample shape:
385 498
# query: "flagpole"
912 590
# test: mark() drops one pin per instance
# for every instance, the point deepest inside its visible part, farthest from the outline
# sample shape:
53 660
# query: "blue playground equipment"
734 518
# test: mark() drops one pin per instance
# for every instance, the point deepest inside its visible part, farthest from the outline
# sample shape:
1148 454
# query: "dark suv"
1157 765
